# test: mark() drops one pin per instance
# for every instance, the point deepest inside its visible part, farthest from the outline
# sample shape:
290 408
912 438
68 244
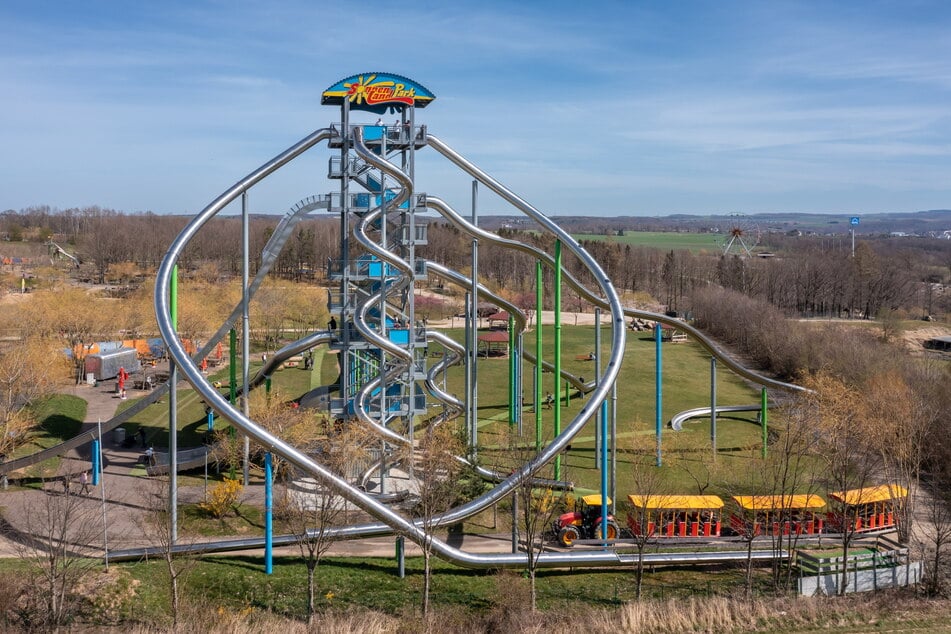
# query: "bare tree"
58 531
538 506
650 494
934 542
839 415
28 371
69 314
903 418
437 472
745 524
309 514
154 524
790 470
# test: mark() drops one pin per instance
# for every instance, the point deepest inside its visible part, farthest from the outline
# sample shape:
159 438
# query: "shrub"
222 498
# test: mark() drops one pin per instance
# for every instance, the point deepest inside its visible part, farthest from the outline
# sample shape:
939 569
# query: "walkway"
130 493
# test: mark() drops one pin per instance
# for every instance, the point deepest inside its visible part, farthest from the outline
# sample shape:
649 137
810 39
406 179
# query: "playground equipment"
56 251
380 372
585 522
385 381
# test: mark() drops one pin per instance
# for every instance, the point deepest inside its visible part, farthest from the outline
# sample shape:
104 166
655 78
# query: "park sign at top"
377 92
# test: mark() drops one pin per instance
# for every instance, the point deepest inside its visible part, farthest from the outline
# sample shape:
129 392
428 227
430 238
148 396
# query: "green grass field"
686 385
60 418
694 242
687 455
238 582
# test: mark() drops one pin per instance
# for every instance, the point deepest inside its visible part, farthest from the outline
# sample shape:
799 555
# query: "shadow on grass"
60 426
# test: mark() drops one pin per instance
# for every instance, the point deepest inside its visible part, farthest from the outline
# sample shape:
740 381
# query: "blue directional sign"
854 221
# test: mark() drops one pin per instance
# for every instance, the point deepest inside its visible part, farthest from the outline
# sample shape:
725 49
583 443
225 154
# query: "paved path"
130 494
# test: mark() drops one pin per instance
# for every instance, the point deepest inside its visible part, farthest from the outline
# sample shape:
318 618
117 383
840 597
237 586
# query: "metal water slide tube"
292 349
454 354
705 342
391 520
318 338
360 318
387 167
677 421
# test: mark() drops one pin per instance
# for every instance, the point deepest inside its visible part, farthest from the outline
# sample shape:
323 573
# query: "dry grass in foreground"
888 610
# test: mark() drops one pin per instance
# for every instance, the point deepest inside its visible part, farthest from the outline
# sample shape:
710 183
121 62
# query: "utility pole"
853 223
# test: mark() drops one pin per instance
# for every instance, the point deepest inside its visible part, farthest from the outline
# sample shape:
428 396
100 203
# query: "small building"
494 343
499 320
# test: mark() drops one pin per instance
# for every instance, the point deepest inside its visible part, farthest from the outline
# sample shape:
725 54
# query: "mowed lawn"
694 242
686 455
685 385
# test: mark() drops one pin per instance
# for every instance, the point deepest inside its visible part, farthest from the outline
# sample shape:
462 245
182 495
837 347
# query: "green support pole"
567 393
513 388
658 387
232 365
173 417
557 430
762 417
538 356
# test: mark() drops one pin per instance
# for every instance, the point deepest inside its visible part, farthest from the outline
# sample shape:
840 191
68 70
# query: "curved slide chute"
677 421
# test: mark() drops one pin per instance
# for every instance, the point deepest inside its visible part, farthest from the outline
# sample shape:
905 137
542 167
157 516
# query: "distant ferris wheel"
742 236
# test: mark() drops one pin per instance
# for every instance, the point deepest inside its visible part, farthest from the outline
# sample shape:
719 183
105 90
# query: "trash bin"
90 378
118 435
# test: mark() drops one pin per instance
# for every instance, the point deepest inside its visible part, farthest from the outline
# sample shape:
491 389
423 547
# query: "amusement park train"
662 516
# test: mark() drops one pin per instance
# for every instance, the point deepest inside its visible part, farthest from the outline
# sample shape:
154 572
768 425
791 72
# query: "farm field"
693 242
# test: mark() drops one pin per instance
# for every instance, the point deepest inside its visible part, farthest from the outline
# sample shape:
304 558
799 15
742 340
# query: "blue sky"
595 108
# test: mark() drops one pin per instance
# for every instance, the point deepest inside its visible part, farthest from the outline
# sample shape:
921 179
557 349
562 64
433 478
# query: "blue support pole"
95 463
268 508
658 394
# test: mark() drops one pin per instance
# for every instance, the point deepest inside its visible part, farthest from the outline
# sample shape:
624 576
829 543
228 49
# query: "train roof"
594 500
676 501
869 495
779 502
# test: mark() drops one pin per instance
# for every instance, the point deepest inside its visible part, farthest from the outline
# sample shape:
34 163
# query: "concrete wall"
863 580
